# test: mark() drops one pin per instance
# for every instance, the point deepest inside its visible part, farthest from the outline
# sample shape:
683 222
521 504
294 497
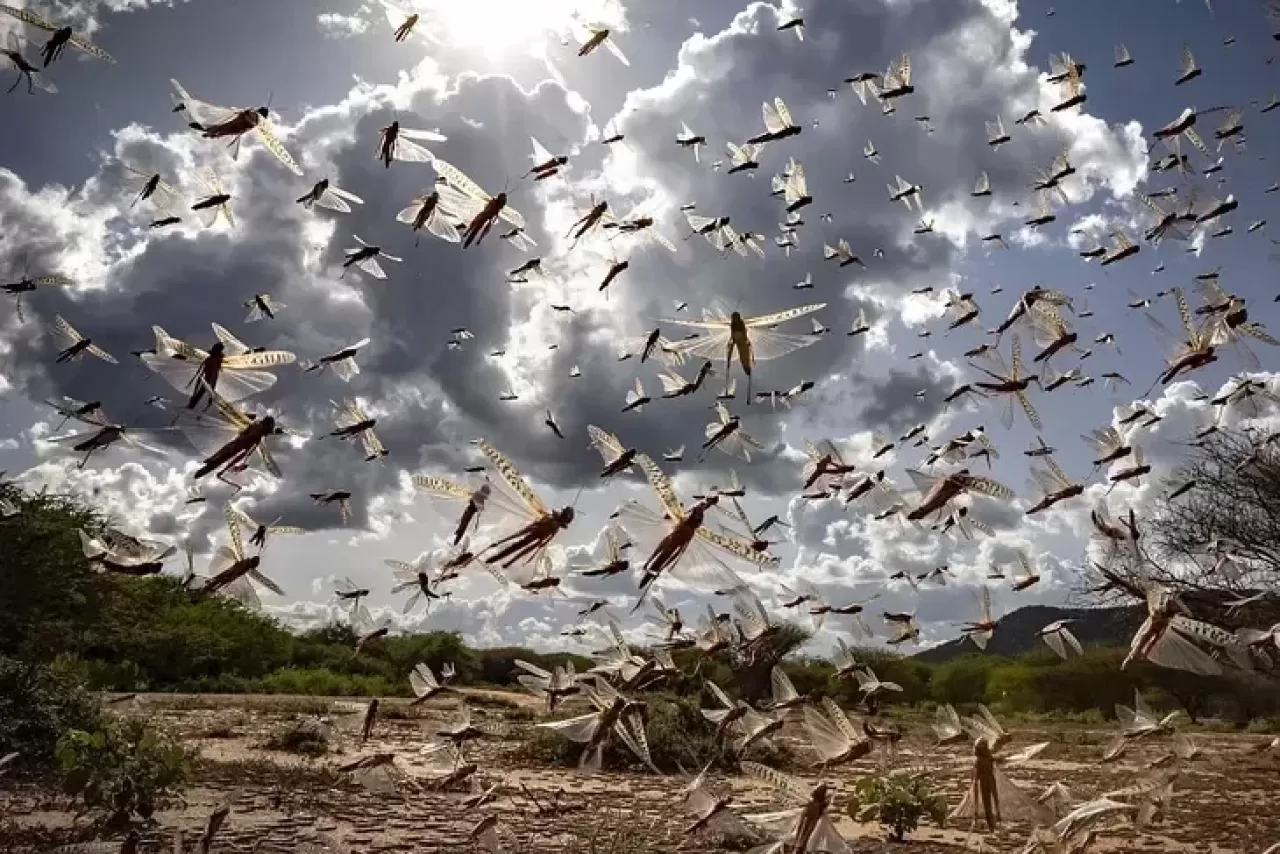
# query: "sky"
494 73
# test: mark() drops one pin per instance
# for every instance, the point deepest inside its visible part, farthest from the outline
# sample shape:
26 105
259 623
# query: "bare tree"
1213 536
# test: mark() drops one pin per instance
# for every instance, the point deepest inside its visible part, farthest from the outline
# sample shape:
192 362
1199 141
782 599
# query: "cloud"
971 64
338 26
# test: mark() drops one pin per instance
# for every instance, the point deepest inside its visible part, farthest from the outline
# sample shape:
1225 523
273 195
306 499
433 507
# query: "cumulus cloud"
971 63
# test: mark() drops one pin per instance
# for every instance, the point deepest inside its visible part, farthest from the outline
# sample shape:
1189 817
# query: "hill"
1018 629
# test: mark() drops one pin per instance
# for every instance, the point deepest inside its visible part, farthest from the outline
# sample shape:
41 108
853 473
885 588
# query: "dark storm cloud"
717 87
182 282
895 405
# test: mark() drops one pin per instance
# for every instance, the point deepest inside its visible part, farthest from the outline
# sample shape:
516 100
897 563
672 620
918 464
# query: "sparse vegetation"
37 705
124 769
897 800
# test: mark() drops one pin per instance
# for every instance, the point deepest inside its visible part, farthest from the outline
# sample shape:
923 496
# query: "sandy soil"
1228 801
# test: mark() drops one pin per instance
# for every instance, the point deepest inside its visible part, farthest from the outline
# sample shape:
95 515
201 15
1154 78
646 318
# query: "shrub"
37 704
122 769
491 701
898 800
543 747
325 683
306 736
679 739
961 681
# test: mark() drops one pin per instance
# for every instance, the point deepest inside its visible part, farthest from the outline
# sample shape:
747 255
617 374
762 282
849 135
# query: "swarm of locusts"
501 525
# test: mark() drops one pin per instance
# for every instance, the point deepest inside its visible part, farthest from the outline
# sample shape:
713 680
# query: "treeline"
150 634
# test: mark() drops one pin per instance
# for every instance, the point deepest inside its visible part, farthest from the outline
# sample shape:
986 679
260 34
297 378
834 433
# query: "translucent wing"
783 316
773 122
1188 60
441 487
273 144
36 21
947 723
91 48
407 151
459 180
989 487
1174 651
233 531
783 113
423 135
773 345
395 14
202 112
662 486
513 479
783 690
453 200
738 548
713 345
336 199
372 267
540 154
1058 473
826 737
579 729
606 443
259 359
66 331
29 18
613 48
373 447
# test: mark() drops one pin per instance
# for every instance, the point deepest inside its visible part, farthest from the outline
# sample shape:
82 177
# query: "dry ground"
1229 801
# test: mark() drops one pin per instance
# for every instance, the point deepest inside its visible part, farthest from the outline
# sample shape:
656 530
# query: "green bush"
123 769
680 737
897 800
961 681
326 683
1012 687
37 704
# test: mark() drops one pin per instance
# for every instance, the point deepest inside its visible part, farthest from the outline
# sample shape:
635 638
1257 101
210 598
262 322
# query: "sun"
498 27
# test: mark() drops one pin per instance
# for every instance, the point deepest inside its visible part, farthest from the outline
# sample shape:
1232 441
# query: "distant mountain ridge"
1017 632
